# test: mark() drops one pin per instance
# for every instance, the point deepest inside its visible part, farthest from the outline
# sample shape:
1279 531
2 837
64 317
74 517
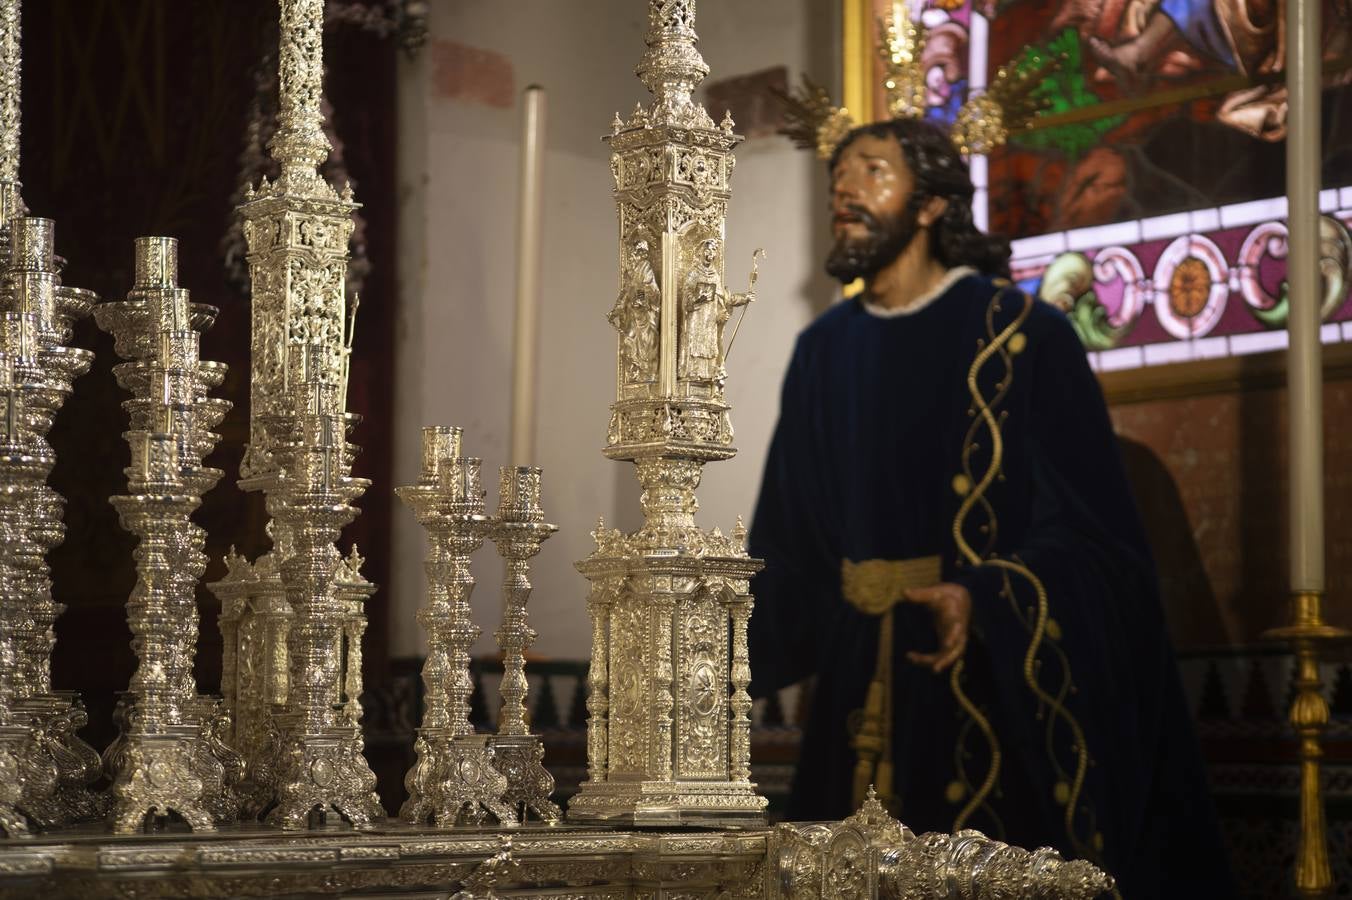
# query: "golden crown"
984 122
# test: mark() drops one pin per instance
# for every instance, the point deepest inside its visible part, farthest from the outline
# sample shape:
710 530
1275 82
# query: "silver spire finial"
300 144
672 67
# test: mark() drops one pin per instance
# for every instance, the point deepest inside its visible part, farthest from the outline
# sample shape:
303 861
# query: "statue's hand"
951 606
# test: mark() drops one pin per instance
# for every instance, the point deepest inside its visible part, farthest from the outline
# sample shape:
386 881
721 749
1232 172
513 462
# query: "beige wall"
459 155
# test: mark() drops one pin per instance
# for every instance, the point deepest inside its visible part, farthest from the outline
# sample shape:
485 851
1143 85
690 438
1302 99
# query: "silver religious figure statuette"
669 726
453 781
706 307
519 531
635 315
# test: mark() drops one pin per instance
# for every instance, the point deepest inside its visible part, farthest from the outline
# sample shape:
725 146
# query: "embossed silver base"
52 720
159 776
520 759
12 821
221 764
324 773
667 803
16 750
37 800
213 761
454 782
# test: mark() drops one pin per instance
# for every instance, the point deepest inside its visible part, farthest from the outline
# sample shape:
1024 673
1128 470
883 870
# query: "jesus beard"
886 239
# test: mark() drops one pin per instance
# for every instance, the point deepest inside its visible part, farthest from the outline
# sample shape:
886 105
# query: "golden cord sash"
874 587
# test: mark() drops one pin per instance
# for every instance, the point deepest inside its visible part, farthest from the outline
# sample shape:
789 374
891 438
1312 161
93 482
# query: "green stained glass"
1063 90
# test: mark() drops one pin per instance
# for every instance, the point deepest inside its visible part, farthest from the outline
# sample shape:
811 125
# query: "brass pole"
1309 716
1309 712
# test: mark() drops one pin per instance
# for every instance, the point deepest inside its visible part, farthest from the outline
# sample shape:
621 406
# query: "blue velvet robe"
978 415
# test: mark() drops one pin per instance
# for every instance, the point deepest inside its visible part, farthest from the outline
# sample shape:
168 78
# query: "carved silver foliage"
871 855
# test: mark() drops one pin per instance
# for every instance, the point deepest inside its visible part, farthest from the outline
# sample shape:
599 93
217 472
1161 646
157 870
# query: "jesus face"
874 208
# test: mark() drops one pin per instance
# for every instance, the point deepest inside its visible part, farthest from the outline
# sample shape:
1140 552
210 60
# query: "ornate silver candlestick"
668 733
299 718
29 776
168 759
454 781
322 767
519 531
38 726
37 315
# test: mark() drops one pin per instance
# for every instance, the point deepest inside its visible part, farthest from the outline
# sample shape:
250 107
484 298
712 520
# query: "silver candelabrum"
518 531
293 620
38 726
462 777
321 766
668 737
168 758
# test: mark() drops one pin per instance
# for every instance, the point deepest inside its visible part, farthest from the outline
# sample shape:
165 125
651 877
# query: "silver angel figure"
635 316
705 308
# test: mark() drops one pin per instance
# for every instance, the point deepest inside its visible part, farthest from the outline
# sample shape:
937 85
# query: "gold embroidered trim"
984 724
984 415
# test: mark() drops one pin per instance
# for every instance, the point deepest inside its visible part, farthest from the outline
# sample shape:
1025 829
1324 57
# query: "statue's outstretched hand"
951 606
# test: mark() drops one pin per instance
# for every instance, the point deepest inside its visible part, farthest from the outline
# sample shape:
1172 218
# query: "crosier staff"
750 295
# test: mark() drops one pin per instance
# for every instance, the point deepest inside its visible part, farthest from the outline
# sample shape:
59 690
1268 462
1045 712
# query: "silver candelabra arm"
463 527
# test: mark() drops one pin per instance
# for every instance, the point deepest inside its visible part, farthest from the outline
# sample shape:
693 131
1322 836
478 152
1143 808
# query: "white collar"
949 279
